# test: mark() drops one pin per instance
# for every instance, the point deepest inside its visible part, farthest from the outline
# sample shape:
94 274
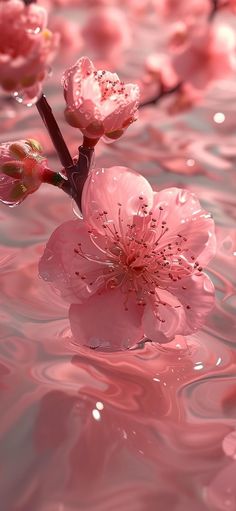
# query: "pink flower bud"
21 170
98 103
26 48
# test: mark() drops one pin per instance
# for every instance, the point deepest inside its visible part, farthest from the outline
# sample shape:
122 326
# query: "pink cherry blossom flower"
132 268
107 32
98 103
21 169
26 48
208 54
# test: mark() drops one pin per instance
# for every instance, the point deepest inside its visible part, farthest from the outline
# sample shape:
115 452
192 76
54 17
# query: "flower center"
139 258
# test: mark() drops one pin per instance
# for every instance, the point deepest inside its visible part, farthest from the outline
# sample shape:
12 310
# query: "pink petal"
60 262
162 323
185 310
184 215
102 321
119 117
196 294
82 91
72 77
116 191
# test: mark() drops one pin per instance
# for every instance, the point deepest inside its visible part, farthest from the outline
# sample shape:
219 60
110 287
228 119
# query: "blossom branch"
56 179
163 92
214 9
49 120
78 173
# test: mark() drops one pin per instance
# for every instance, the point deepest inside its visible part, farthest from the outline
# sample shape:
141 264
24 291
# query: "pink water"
151 429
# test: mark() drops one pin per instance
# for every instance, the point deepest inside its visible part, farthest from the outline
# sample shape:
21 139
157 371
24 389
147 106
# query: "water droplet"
229 445
190 162
96 414
198 366
182 197
219 117
99 405
23 98
18 96
37 20
49 72
77 212
34 30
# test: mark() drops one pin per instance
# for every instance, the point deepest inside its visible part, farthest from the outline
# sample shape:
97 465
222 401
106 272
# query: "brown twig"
58 141
163 92
214 9
78 173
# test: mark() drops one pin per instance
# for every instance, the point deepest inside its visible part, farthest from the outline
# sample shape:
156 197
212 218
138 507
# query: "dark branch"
78 173
214 9
49 120
163 92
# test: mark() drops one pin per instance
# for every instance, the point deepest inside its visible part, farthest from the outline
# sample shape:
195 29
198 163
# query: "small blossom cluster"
135 252
27 48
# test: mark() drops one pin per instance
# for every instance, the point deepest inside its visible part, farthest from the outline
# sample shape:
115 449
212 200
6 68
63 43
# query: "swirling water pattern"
149 429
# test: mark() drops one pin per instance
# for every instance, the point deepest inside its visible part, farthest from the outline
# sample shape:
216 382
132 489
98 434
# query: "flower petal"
103 322
161 323
94 96
182 214
197 296
118 191
72 77
124 111
74 275
184 309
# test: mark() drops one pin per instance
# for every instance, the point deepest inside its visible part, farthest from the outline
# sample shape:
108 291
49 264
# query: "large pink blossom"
21 168
132 268
207 54
27 48
98 103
